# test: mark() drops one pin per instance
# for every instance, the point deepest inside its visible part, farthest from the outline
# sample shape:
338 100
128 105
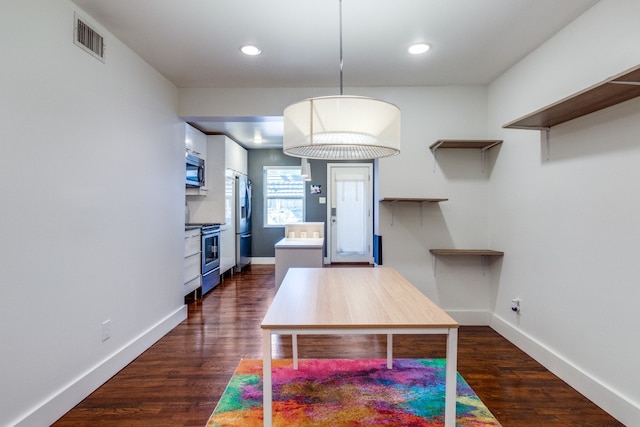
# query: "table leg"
267 387
389 351
294 342
450 387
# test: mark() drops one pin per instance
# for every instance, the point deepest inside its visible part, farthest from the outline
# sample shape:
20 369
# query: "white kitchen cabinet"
225 157
191 241
235 157
227 229
222 153
191 268
192 260
195 142
192 285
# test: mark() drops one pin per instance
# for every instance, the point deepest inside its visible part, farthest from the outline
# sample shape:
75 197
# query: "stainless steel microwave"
194 171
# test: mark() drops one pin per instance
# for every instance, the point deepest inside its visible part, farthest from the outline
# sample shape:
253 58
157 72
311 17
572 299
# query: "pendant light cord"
340 47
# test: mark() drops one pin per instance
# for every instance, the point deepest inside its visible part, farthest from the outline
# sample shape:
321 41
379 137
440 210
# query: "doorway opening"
349 210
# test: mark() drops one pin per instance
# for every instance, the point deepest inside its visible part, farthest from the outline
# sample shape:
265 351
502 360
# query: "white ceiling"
195 43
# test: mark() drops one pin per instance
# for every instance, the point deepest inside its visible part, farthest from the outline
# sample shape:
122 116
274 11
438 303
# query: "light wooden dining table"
338 301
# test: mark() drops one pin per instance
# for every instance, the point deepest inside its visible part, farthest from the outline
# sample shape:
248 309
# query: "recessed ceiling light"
250 50
257 136
419 48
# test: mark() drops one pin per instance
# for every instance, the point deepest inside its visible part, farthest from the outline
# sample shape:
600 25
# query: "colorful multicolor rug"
338 392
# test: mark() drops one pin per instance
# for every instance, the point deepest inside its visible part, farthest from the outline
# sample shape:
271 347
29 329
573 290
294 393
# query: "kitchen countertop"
300 243
193 225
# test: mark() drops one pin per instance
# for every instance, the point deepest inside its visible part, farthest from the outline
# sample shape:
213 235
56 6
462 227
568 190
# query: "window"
283 195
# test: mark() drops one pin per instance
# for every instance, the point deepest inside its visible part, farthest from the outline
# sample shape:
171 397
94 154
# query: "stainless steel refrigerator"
243 222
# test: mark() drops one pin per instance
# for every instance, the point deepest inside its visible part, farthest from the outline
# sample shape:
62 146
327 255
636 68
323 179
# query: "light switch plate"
106 330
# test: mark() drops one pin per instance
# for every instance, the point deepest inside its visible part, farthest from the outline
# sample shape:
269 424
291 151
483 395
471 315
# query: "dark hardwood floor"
178 381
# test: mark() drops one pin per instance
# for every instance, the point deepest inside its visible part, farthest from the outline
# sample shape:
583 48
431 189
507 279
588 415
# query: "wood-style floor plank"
178 381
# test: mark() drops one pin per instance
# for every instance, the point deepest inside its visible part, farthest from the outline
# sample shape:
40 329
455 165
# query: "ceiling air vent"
87 38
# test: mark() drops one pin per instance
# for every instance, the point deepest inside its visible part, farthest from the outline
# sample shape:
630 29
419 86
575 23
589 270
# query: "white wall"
428 114
91 181
569 224
409 231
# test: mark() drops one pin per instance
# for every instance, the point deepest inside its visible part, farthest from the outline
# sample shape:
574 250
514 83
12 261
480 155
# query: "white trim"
471 317
263 260
51 409
611 401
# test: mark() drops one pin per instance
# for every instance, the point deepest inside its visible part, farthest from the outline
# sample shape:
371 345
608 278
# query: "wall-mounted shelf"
412 199
421 201
483 253
617 89
478 144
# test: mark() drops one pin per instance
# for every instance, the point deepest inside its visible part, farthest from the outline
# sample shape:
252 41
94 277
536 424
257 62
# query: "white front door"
350 204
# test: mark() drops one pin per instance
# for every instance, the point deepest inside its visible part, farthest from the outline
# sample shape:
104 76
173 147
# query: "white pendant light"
341 127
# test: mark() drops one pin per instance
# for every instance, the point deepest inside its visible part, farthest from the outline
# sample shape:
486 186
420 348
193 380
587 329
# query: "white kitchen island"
303 246
297 252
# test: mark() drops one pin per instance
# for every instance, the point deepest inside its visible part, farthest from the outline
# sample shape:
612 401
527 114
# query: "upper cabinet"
617 89
235 156
195 142
222 153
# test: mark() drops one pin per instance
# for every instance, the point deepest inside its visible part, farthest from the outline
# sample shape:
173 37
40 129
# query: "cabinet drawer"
192 285
192 232
191 267
191 242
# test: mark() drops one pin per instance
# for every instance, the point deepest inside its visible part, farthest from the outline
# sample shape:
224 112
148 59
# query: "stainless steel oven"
210 257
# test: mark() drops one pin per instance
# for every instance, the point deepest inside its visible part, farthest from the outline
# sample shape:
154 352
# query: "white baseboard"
617 405
60 403
263 260
471 317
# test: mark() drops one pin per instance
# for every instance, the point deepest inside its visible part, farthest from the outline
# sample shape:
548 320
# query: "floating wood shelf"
394 200
617 89
412 199
481 144
484 253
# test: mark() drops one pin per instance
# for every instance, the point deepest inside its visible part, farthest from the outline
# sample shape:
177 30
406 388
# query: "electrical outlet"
515 305
106 330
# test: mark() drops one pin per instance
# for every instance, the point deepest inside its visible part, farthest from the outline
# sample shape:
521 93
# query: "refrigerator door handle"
248 200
